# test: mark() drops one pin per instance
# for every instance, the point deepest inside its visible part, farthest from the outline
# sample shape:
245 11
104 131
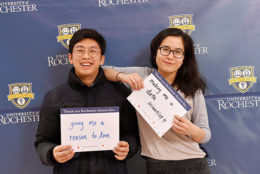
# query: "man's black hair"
88 33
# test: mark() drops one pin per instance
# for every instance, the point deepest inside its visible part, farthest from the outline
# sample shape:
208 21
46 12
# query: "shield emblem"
66 32
242 78
20 94
183 22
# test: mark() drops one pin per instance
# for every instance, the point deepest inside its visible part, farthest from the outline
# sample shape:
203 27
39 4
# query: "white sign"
90 128
158 102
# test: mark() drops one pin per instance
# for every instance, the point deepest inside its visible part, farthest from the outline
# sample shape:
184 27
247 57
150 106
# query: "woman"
178 151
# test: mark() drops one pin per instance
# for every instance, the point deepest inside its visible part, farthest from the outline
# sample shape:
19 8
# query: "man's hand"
121 150
63 153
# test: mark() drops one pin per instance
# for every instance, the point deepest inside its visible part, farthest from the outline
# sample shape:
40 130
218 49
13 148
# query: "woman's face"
170 64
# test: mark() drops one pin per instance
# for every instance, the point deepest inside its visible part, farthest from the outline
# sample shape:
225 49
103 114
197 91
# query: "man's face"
86 59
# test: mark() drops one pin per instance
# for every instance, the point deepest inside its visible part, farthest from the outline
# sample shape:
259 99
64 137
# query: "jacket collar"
75 82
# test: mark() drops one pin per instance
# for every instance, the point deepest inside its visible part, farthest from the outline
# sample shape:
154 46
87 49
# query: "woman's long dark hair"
187 79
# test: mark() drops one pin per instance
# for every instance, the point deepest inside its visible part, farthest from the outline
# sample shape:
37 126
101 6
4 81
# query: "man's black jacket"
75 93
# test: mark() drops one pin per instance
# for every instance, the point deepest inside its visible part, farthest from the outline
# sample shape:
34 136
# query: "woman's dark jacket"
75 93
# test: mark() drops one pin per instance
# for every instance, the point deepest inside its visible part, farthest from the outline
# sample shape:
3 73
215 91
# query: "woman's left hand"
183 126
186 127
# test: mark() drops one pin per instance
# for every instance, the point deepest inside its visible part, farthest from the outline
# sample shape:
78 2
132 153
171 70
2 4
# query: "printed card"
90 128
158 102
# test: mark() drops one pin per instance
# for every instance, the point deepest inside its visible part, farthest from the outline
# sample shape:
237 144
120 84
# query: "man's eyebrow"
94 47
79 46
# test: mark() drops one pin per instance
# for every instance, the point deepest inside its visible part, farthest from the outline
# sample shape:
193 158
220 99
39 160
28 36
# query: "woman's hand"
121 150
186 127
63 153
133 80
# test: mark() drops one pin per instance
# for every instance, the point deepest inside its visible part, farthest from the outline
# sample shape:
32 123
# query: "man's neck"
89 80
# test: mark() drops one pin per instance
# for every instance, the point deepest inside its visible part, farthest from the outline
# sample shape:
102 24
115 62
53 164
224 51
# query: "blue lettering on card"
92 123
103 135
75 124
78 137
94 135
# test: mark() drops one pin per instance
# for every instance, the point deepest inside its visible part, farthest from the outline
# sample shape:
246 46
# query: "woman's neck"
169 77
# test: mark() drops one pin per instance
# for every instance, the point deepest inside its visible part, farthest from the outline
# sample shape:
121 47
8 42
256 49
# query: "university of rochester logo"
66 32
17 7
183 22
20 94
242 78
106 3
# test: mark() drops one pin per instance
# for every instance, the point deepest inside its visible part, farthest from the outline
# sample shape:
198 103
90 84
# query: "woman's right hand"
63 153
133 80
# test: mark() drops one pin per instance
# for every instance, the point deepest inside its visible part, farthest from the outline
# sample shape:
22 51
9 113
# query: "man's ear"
102 61
70 58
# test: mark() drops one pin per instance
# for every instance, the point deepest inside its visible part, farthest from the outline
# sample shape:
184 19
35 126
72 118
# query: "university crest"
20 94
242 78
183 22
66 32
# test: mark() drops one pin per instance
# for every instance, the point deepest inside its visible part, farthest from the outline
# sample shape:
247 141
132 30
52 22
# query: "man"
86 87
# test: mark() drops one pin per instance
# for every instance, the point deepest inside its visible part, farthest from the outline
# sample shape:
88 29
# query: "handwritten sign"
158 102
90 128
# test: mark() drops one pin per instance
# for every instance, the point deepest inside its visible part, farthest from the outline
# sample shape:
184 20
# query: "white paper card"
158 102
90 128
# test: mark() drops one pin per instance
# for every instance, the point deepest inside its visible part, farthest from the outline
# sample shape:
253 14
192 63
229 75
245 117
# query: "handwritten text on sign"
157 102
90 129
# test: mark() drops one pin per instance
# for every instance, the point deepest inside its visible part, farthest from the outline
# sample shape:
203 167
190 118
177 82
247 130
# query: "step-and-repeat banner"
34 45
